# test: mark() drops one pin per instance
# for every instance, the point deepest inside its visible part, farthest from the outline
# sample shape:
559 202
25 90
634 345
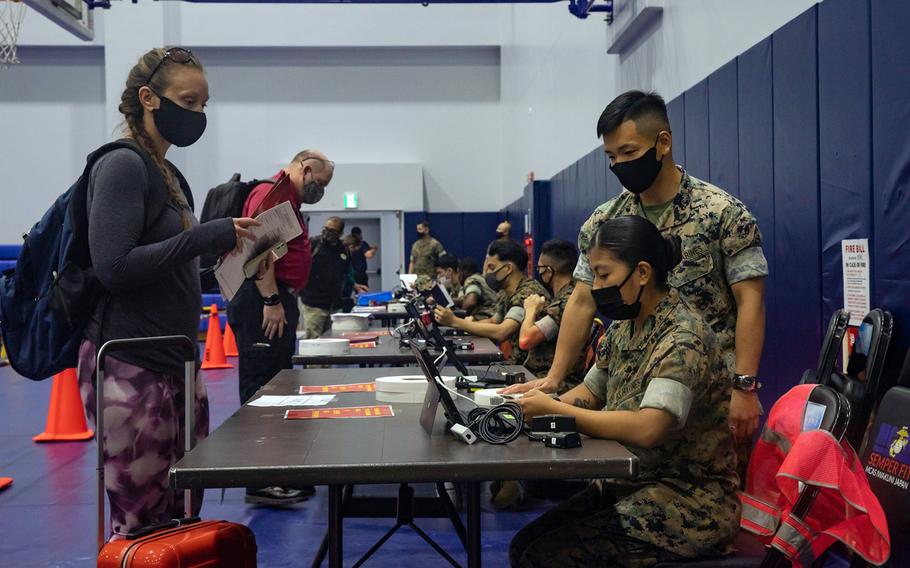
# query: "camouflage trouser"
316 321
584 531
143 438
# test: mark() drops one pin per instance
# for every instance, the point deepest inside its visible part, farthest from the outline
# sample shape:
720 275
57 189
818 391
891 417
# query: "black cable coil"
498 425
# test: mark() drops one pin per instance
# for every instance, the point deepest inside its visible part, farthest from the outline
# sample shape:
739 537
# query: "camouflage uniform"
541 357
424 254
486 302
512 307
683 503
721 245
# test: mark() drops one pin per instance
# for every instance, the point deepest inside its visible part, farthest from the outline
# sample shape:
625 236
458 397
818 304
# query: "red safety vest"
845 509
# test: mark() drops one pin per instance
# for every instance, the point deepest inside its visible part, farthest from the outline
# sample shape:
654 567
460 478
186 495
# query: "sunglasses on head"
175 54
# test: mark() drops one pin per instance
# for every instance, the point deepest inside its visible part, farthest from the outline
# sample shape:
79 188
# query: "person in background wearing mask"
264 312
544 317
149 269
724 269
361 253
504 273
331 266
661 387
476 297
447 274
425 252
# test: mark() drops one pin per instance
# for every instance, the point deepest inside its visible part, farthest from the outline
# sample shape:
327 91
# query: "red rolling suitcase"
183 543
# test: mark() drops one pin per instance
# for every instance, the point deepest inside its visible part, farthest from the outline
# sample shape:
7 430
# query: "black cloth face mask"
313 191
492 282
610 303
179 126
639 174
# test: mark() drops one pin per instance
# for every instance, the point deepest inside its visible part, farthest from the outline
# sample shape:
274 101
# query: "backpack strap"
157 197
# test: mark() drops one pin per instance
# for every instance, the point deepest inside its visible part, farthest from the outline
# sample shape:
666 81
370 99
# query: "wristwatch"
272 300
746 383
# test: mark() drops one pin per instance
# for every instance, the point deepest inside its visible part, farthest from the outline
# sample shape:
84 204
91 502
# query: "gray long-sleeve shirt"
151 274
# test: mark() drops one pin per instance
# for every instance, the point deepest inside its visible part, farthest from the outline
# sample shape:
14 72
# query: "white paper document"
855 255
279 224
293 400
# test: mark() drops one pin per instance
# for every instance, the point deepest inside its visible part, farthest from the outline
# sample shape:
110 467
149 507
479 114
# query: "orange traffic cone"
5 482
230 342
214 344
65 417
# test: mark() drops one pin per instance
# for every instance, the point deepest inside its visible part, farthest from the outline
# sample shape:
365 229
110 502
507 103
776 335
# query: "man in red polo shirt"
264 312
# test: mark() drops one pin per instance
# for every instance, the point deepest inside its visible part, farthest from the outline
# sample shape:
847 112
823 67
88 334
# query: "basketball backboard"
74 16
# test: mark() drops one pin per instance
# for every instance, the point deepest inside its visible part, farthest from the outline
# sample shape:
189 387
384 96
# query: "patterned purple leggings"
143 438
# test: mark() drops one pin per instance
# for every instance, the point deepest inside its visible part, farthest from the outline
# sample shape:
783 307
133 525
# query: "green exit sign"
350 201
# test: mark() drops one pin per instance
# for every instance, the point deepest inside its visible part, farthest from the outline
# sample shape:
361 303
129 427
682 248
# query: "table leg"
336 516
473 507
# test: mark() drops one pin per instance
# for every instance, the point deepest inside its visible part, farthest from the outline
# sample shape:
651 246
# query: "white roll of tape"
326 346
408 388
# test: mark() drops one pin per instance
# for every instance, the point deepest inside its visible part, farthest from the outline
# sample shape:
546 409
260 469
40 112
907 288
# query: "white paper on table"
293 400
277 224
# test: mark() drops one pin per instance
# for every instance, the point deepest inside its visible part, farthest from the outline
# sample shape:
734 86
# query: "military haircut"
647 110
563 253
447 261
509 251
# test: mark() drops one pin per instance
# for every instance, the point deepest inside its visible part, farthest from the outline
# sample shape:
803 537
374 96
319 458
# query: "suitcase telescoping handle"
189 357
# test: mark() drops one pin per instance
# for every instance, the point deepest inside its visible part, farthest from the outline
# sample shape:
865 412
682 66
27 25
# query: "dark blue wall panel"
447 229
796 237
756 185
698 161
723 128
676 109
478 230
462 234
845 138
891 163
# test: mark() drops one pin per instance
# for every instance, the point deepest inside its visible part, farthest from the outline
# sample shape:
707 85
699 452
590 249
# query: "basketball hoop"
11 14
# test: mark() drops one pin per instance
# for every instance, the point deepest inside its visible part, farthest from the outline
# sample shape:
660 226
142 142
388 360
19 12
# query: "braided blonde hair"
133 112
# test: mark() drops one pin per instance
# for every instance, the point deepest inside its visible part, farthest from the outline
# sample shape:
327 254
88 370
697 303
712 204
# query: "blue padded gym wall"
890 57
756 183
809 129
844 138
723 128
695 109
462 234
796 246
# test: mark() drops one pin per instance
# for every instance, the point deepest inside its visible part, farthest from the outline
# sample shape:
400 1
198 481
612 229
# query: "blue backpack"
48 298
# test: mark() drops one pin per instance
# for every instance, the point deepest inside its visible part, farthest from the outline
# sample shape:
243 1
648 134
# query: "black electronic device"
452 332
564 440
417 320
549 423
436 393
441 295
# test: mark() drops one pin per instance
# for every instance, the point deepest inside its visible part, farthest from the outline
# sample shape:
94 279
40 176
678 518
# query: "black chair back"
827 357
861 382
886 458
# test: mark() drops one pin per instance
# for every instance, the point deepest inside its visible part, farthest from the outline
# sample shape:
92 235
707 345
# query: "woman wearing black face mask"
668 401
145 243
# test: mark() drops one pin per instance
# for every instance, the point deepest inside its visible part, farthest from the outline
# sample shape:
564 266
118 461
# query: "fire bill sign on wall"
855 254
